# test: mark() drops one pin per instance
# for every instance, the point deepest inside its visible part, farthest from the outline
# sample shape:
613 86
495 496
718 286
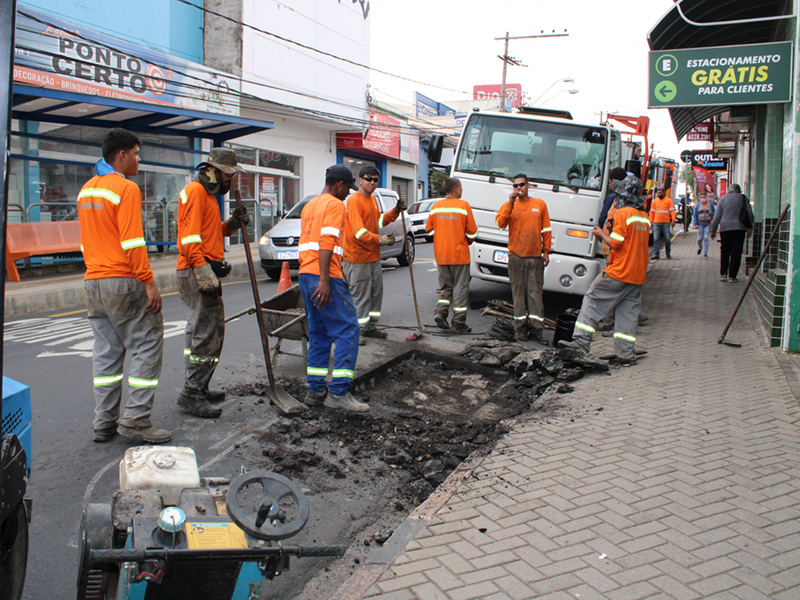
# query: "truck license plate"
501 257
291 255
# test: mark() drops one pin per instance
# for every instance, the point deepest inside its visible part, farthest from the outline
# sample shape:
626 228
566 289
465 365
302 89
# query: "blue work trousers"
336 324
662 231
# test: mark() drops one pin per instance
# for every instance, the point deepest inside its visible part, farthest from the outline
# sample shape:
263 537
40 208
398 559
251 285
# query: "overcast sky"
450 43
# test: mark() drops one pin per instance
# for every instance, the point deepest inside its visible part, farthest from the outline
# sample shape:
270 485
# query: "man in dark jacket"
732 212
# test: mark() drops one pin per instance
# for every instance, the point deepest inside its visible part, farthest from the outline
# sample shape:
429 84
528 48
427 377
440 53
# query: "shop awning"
700 24
70 108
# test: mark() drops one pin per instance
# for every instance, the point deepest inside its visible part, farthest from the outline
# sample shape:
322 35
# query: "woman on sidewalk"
703 215
734 217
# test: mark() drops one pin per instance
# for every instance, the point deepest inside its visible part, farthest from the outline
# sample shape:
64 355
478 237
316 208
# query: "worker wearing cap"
529 236
452 221
619 287
362 250
123 302
331 315
200 267
662 217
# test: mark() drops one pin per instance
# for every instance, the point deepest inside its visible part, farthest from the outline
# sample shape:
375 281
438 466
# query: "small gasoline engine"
168 534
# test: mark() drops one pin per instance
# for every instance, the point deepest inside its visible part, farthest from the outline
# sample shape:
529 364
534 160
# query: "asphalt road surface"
52 354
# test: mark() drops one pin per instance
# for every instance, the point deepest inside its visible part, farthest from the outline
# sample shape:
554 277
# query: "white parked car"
280 244
419 213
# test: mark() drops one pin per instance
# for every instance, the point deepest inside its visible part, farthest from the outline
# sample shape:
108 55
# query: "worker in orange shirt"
662 217
123 302
452 221
529 236
330 313
362 250
200 267
619 286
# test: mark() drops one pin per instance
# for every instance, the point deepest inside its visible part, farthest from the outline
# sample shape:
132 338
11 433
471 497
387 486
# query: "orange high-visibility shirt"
454 226
112 238
322 222
628 263
363 219
200 228
529 231
662 210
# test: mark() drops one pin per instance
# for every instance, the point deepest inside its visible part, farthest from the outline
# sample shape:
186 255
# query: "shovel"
279 396
418 333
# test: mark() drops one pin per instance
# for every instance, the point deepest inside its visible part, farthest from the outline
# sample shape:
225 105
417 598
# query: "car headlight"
264 240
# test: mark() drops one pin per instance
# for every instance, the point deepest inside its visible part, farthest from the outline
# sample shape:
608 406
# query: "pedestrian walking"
362 250
662 218
619 286
123 302
331 315
734 219
452 221
200 267
529 236
703 216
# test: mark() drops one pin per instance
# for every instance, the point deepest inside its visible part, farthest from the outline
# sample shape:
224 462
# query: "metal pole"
505 72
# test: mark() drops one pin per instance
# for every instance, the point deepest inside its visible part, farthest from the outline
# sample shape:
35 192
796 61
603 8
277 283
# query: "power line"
312 49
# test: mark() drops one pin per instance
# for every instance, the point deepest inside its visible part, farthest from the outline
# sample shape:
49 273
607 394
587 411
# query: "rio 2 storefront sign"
54 54
748 74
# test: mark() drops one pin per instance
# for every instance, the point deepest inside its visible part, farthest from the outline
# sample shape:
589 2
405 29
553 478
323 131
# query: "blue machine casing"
17 415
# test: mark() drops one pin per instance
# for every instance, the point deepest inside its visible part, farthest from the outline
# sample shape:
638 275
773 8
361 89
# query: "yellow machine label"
211 536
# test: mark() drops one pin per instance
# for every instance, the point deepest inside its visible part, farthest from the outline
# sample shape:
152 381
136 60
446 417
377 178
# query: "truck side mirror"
435 147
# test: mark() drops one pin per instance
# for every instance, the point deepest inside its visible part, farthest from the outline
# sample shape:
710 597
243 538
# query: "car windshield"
297 209
559 153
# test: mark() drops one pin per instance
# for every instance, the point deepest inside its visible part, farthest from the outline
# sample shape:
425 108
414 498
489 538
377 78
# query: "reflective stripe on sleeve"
342 373
472 236
624 336
184 197
132 243
380 222
338 250
584 327
142 383
108 380
330 231
546 229
100 193
191 239
361 232
617 237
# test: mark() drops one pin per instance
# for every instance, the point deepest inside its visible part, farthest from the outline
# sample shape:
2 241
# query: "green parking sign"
747 74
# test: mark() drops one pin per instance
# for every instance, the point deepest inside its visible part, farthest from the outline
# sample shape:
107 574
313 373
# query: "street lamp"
565 80
572 91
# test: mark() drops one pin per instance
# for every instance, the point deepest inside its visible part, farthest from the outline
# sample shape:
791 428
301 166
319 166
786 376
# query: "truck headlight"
580 270
566 281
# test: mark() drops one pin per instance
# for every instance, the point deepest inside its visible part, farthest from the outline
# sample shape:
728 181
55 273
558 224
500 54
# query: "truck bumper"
565 274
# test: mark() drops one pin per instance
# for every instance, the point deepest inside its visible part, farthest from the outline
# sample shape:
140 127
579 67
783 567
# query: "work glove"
387 240
207 282
401 205
221 268
238 217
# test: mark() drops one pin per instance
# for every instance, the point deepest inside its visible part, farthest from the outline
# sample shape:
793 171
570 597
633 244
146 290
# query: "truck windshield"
545 151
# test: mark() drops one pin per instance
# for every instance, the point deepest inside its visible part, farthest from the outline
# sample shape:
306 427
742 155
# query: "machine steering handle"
97 557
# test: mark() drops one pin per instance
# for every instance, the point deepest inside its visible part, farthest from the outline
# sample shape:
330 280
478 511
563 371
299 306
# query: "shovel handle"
410 266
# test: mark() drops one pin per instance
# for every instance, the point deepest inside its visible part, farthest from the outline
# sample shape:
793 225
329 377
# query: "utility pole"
507 60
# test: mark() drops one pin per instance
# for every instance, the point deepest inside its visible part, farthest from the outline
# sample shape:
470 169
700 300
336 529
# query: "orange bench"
24 240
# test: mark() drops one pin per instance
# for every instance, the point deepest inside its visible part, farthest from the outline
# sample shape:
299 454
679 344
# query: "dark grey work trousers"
526 275
453 293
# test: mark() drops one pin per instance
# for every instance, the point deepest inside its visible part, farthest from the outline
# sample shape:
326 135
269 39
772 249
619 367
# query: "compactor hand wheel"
268 519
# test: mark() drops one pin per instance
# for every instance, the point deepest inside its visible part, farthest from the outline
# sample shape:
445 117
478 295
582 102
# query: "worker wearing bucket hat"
200 268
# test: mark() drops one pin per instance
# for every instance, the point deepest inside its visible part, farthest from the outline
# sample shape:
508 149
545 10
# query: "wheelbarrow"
285 317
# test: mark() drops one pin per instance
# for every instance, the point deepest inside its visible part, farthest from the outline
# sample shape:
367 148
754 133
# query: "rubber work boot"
622 362
521 335
214 397
374 333
537 335
441 321
572 345
198 405
461 329
346 402
148 433
101 436
316 398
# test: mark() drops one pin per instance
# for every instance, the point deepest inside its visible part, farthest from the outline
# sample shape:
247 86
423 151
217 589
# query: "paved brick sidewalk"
676 478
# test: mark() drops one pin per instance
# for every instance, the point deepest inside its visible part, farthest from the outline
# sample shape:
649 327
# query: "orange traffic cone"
286 282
